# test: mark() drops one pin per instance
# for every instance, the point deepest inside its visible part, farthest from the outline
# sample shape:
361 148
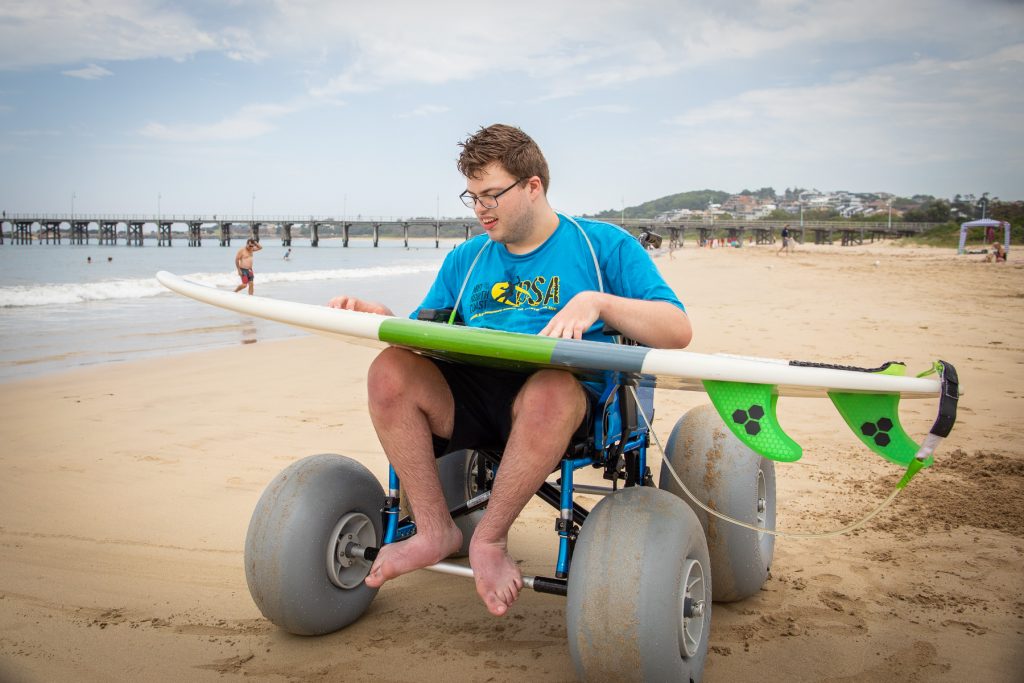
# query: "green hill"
694 200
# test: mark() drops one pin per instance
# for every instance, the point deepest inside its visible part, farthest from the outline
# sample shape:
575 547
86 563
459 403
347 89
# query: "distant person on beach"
243 263
288 255
88 259
997 255
785 248
533 271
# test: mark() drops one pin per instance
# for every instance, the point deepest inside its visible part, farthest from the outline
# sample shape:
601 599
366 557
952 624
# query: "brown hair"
510 147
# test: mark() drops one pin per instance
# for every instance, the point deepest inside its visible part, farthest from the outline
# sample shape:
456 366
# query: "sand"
127 490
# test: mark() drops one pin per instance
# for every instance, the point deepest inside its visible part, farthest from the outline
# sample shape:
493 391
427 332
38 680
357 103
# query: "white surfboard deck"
666 368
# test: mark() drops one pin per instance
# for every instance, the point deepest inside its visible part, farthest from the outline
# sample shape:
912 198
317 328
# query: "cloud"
239 44
250 121
423 110
928 111
45 32
616 109
437 43
90 73
579 46
586 46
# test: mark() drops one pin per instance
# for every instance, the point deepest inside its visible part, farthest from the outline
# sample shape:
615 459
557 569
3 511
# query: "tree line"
915 209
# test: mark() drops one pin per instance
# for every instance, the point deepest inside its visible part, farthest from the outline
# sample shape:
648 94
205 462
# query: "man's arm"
238 259
657 324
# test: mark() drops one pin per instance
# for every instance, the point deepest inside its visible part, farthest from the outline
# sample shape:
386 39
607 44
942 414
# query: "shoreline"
128 490
58 312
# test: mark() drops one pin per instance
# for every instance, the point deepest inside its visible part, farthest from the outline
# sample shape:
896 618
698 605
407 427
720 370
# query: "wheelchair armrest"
438 315
609 331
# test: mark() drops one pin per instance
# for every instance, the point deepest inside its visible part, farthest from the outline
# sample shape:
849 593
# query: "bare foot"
498 579
420 551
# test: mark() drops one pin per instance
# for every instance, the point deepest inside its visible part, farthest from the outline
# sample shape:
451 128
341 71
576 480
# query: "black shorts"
483 407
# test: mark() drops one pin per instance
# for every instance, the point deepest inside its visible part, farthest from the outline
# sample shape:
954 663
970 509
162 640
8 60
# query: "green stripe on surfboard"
473 341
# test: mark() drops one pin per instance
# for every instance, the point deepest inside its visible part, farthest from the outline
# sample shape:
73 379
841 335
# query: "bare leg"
547 411
410 400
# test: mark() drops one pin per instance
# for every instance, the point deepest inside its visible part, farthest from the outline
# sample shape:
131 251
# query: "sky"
341 108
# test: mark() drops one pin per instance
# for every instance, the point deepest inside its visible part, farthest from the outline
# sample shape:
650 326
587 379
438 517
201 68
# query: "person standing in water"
243 263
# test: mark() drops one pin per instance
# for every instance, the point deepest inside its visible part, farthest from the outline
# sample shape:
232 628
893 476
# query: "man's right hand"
350 303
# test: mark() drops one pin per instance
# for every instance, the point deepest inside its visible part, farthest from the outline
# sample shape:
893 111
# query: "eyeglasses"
488 201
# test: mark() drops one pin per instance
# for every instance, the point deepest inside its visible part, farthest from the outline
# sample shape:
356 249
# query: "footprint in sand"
241 484
156 459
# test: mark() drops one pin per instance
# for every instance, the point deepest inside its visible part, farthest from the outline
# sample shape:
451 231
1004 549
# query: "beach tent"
984 223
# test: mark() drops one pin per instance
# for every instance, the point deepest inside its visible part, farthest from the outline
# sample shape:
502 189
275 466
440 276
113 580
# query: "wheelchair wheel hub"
345 569
691 626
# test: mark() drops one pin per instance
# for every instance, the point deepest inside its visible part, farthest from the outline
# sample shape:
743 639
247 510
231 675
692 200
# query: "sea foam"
16 296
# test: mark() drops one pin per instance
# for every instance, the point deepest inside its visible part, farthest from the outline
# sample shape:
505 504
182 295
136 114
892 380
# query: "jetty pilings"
108 232
163 229
48 230
133 233
22 232
163 234
79 233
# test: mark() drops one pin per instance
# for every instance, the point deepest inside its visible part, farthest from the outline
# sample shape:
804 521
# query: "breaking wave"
140 288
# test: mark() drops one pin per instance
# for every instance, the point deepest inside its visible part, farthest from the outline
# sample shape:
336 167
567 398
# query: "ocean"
59 311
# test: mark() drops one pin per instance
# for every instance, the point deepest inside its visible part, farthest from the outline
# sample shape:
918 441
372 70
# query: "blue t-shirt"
522 292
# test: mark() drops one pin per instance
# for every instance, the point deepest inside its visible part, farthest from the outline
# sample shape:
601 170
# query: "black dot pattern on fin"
878 431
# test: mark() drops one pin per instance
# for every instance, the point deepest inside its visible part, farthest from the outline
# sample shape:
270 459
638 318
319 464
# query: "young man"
533 271
243 263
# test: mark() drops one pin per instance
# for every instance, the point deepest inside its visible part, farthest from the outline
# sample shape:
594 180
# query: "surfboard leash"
948 398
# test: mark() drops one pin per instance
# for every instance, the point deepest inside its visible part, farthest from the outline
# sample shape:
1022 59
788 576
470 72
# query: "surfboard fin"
875 419
748 410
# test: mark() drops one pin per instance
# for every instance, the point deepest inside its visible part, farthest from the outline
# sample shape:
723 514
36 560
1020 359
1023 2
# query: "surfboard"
743 389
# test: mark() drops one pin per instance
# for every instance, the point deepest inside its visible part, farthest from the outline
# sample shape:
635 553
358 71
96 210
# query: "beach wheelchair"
636 569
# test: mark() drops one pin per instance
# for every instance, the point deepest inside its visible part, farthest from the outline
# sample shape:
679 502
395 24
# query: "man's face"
510 222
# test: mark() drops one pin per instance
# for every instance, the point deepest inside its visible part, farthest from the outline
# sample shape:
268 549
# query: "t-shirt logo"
504 293
538 293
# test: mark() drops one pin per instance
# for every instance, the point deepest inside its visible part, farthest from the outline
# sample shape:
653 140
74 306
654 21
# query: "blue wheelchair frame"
618 443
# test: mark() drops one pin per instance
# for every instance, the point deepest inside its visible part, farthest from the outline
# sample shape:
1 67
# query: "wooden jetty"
134 230
767 232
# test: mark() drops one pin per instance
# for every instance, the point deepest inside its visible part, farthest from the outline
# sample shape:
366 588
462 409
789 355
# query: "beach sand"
127 489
